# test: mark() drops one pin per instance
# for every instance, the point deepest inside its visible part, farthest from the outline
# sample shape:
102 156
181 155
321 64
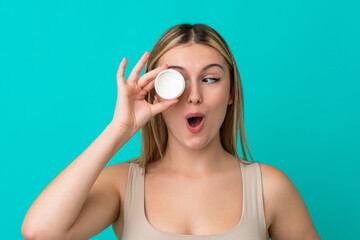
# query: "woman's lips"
196 126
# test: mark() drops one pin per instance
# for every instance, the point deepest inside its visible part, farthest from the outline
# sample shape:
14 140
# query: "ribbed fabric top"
251 226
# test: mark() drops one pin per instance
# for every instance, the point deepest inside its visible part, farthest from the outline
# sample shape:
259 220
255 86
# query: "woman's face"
196 119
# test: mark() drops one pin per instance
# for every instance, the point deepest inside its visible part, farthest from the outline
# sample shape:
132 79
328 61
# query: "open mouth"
195 121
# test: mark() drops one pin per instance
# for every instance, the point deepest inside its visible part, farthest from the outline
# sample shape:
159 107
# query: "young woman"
189 182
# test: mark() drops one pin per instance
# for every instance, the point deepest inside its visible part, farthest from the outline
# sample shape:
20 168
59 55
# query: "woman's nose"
194 93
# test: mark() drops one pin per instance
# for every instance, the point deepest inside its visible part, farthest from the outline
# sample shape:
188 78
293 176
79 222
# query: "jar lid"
169 84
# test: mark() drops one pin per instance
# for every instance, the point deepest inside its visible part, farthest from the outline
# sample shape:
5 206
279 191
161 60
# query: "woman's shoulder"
118 170
271 173
280 194
276 184
119 174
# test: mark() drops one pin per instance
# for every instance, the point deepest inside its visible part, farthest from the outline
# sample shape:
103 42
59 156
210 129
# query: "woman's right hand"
132 111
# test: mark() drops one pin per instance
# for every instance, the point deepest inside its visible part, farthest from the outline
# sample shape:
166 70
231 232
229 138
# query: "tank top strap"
133 193
252 192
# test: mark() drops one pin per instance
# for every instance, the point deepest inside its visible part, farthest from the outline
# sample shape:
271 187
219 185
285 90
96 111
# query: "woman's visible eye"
211 80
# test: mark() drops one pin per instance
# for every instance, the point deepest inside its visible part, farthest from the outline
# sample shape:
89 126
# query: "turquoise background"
299 63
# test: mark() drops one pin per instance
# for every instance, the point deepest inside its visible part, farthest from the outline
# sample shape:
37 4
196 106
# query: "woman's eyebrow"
205 68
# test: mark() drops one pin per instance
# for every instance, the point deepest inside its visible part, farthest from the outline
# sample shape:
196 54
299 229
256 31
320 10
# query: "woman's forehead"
195 56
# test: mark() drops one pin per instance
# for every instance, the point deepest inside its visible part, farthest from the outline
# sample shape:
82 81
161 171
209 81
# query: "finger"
146 78
146 89
162 106
121 71
135 73
149 86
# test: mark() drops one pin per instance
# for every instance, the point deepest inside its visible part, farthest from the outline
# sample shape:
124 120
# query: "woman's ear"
155 97
155 100
231 95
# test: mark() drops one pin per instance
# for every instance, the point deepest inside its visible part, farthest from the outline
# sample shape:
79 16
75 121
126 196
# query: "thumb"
162 106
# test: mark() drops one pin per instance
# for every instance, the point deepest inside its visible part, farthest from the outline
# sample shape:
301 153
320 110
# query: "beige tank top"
250 227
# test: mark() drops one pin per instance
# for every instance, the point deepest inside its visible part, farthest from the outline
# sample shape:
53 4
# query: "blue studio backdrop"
299 63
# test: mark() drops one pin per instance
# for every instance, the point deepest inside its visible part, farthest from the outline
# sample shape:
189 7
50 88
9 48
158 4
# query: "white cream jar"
169 84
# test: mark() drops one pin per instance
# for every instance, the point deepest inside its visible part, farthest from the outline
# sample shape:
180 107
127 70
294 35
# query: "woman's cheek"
220 105
170 117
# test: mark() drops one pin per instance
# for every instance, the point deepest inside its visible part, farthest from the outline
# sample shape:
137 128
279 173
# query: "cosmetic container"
169 84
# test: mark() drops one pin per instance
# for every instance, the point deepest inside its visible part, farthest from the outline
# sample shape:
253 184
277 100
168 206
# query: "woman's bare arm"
55 210
83 199
290 216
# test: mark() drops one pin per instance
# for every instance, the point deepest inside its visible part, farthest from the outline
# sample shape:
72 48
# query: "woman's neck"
182 159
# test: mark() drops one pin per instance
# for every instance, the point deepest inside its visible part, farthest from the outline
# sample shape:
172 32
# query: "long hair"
154 134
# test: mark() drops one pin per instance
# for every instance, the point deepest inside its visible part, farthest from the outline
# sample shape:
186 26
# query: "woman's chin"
196 144
193 142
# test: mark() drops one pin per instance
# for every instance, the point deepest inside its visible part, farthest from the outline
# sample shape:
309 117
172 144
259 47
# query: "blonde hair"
154 134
